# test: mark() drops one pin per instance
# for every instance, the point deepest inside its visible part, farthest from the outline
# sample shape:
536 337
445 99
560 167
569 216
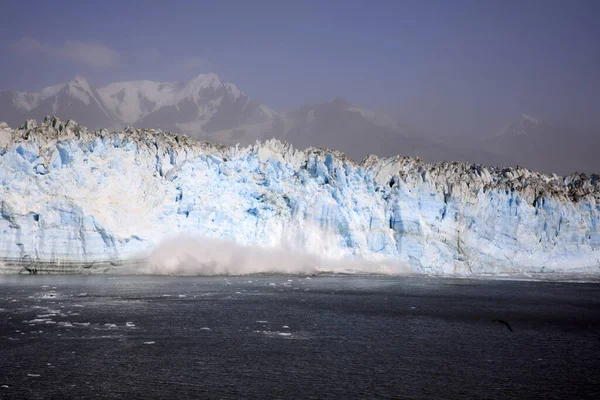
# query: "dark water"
267 337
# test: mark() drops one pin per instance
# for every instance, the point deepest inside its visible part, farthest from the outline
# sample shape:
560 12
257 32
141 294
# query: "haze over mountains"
207 108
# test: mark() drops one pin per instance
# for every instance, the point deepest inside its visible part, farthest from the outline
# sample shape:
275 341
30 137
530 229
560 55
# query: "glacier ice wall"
71 195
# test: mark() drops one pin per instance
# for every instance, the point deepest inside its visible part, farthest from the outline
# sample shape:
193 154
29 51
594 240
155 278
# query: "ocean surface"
268 337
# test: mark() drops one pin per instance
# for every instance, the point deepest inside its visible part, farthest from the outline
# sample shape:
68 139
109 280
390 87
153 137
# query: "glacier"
90 199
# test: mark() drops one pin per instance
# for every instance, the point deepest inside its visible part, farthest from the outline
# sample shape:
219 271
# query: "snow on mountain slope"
207 108
78 88
28 101
551 148
69 195
76 97
204 107
131 101
358 132
525 118
377 118
525 126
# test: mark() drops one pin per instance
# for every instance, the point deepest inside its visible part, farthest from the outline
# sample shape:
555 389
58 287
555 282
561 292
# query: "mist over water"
187 255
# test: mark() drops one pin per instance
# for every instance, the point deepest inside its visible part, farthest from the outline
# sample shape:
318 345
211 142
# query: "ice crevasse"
69 195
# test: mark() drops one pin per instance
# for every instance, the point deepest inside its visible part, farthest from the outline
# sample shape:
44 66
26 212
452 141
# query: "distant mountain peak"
79 80
81 89
528 119
338 101
208 80
524 126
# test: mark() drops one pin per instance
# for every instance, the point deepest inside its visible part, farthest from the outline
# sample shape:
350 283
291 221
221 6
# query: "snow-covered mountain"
204 107
71 199
75 97
358 132
354 131
207 108
526 125
534 143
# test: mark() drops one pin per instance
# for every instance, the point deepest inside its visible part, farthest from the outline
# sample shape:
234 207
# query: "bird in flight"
503 322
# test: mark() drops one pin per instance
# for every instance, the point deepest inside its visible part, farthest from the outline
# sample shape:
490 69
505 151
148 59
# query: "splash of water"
186 255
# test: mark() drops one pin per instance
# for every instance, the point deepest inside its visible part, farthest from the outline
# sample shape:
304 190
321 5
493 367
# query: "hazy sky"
456 66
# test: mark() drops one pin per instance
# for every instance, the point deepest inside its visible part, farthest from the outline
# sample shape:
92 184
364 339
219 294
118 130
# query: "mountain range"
207 108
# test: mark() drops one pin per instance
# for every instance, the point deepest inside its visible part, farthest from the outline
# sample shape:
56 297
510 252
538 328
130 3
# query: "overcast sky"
452 66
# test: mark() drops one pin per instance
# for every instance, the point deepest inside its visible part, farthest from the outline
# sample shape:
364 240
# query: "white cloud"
175 65
99 56
194 62
91 54
143 56
170 66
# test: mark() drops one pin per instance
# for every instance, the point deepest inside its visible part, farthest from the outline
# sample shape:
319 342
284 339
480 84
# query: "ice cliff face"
71 195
